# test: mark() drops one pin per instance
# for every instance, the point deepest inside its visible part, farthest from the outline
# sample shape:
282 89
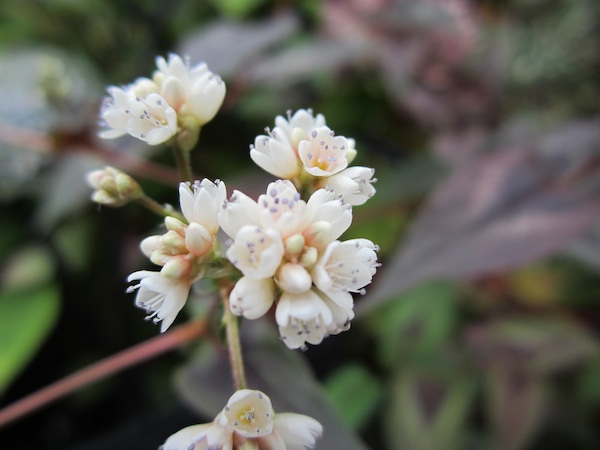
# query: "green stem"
233 339
159 209
182 159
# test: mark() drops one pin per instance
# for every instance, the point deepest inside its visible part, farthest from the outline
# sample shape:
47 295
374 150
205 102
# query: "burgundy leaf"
498 211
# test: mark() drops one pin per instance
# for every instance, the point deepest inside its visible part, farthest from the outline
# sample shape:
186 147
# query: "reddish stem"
108 366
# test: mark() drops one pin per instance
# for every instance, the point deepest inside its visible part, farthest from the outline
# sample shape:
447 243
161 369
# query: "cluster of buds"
176 101
183 252
248 422
113 187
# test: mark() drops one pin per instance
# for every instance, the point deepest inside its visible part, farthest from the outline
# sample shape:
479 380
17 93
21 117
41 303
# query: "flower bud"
198 240
294 278
176 268
113 187
294 245
176 225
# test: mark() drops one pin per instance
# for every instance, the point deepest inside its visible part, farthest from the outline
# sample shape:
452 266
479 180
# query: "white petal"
252 298
183 439
297 430
240 210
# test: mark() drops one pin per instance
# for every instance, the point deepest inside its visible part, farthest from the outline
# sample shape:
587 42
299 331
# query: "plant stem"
108 366
159 209
233 339
182 159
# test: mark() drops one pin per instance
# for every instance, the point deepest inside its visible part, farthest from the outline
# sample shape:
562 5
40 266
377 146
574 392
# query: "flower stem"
109 366
182 159
233 339
159 209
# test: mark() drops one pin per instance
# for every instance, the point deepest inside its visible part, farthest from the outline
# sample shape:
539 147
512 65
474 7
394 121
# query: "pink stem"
108 366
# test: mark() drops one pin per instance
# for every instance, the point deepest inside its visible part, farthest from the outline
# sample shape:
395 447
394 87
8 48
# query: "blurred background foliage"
482 120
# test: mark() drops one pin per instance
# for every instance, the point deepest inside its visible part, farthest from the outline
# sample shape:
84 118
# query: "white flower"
248 421
160 296
277 153
346 266
323 154
140 112
200 202
288 252
191 91
182 251
353 183
256 252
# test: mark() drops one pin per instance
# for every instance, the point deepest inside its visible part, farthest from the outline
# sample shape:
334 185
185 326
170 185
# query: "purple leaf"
499 211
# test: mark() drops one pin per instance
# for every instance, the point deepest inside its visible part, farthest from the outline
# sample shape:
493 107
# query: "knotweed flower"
160 296
191 91
303 149
287 250
154 110
140 111
182 251
248 421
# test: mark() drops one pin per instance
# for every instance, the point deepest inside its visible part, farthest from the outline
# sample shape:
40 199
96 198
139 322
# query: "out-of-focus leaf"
27 318
236 8
544 345
29 267
537 286
73 241
230 47
587 249
205 383
588 387
498 211
64 189
519 355
415 324
356 394
428 410
303 62
516 402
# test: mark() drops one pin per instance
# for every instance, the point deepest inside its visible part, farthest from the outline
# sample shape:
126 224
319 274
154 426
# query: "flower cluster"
183 252
303 149
284 250
177 98
287 249
248 421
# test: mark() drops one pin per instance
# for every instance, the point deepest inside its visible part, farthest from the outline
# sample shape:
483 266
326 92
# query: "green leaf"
356 394
415 325
28 267
429 409
27 318
237 8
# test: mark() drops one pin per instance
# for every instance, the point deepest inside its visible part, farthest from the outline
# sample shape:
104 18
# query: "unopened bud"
198 240
176 268
294 278
175 224
309 257
294 245
173 243
113 187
